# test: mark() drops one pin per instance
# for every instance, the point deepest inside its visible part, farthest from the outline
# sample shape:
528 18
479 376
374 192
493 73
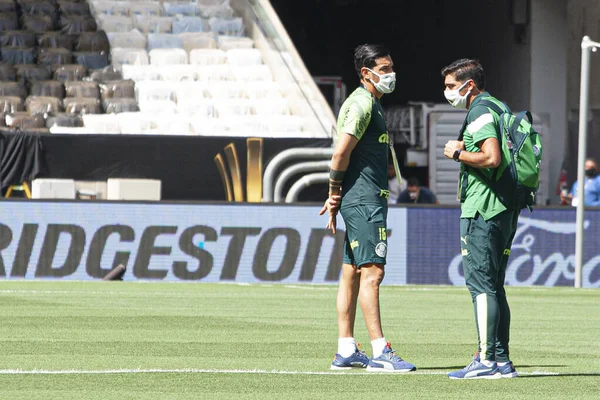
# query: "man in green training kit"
487 227
358 188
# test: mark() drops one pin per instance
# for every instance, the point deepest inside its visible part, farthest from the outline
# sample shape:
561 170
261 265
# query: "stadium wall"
266 244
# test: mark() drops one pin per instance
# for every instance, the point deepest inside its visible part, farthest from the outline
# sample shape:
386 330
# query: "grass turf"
99 326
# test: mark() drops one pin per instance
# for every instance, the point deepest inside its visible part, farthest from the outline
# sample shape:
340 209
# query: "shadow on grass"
517 366
558 375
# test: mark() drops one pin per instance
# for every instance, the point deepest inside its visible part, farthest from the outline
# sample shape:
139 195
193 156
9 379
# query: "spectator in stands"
592 187
394 186
417 194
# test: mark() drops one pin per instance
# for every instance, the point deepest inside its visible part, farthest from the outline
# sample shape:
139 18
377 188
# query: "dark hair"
366 55
465 69
412 181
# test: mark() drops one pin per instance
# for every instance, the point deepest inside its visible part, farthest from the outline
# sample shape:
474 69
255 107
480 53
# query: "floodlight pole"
587 45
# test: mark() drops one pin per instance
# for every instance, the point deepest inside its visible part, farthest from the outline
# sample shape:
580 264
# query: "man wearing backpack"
487 225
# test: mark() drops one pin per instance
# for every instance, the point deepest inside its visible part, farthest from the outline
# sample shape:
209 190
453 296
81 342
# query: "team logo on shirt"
381 249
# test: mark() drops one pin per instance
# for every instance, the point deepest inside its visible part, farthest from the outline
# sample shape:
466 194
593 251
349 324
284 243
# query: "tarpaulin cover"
48 88
106 74
164 41
18 55
117 106
66 120
9 21
59 56
73 8
132 39
111 23
92 60
17 39
13 89
92 41
7 73
7 6
82 89
230 27
32 72
37 23
21 157
118 8
118 89
37 7
173 9
74 24
56 40
42 105
146 8
24 120
199 40
10 104
188 24
82 105
70 72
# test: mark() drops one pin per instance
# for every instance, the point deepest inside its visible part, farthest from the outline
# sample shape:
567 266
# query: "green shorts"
366 234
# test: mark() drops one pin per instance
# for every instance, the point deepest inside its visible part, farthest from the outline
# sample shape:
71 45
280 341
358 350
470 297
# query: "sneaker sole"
390 371
495 376
511 375
336 368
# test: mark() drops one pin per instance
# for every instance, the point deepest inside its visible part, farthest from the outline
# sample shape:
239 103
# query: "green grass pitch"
125 340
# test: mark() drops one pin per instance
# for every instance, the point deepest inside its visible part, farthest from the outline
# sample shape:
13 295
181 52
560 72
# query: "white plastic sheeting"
207 56
155 90
132 39
234 42
199 40
168 56
149 24
229 27
244 57
123 56
164 41
188 24
110 23
101 123
252 73
140 73
158 106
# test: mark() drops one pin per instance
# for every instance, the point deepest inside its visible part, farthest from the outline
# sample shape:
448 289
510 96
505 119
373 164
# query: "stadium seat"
58 56
24 120
48 88
234 107
173 9
146 9
64 120
55 40
229 27
105 74
177 73
189 92
18 55
114 8
139 73
82 89
120 105
252 73
70 72
102 123
154 90
10 105
132 39
17 39
92 42
198 40
7 73
148 24
13 89
117 89
215 73
168 56
188 24
226 90
215 9
82 105
43 105
207 56
158 106
122 56
92 59
164 41
244 57
117 23
234 42
31 72
198 108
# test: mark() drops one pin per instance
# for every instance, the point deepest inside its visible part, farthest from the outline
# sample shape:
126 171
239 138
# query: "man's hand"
452 146
332 205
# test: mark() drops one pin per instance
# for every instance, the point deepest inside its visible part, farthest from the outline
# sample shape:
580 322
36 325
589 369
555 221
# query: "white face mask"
386 84
454 97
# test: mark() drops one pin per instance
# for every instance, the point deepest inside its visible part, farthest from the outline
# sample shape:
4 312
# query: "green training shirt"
481 124
366 180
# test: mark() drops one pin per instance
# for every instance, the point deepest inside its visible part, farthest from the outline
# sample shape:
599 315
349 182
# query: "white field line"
221 371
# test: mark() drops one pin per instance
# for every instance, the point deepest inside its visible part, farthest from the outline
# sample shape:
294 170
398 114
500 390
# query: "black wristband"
456 155
337 176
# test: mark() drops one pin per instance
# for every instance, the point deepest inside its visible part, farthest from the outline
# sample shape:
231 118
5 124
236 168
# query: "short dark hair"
366 55
412 181
465 69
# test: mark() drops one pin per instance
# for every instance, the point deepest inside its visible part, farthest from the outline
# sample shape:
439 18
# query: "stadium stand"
173 67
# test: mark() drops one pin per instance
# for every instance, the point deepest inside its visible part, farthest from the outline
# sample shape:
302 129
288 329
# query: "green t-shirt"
366 180
481 124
